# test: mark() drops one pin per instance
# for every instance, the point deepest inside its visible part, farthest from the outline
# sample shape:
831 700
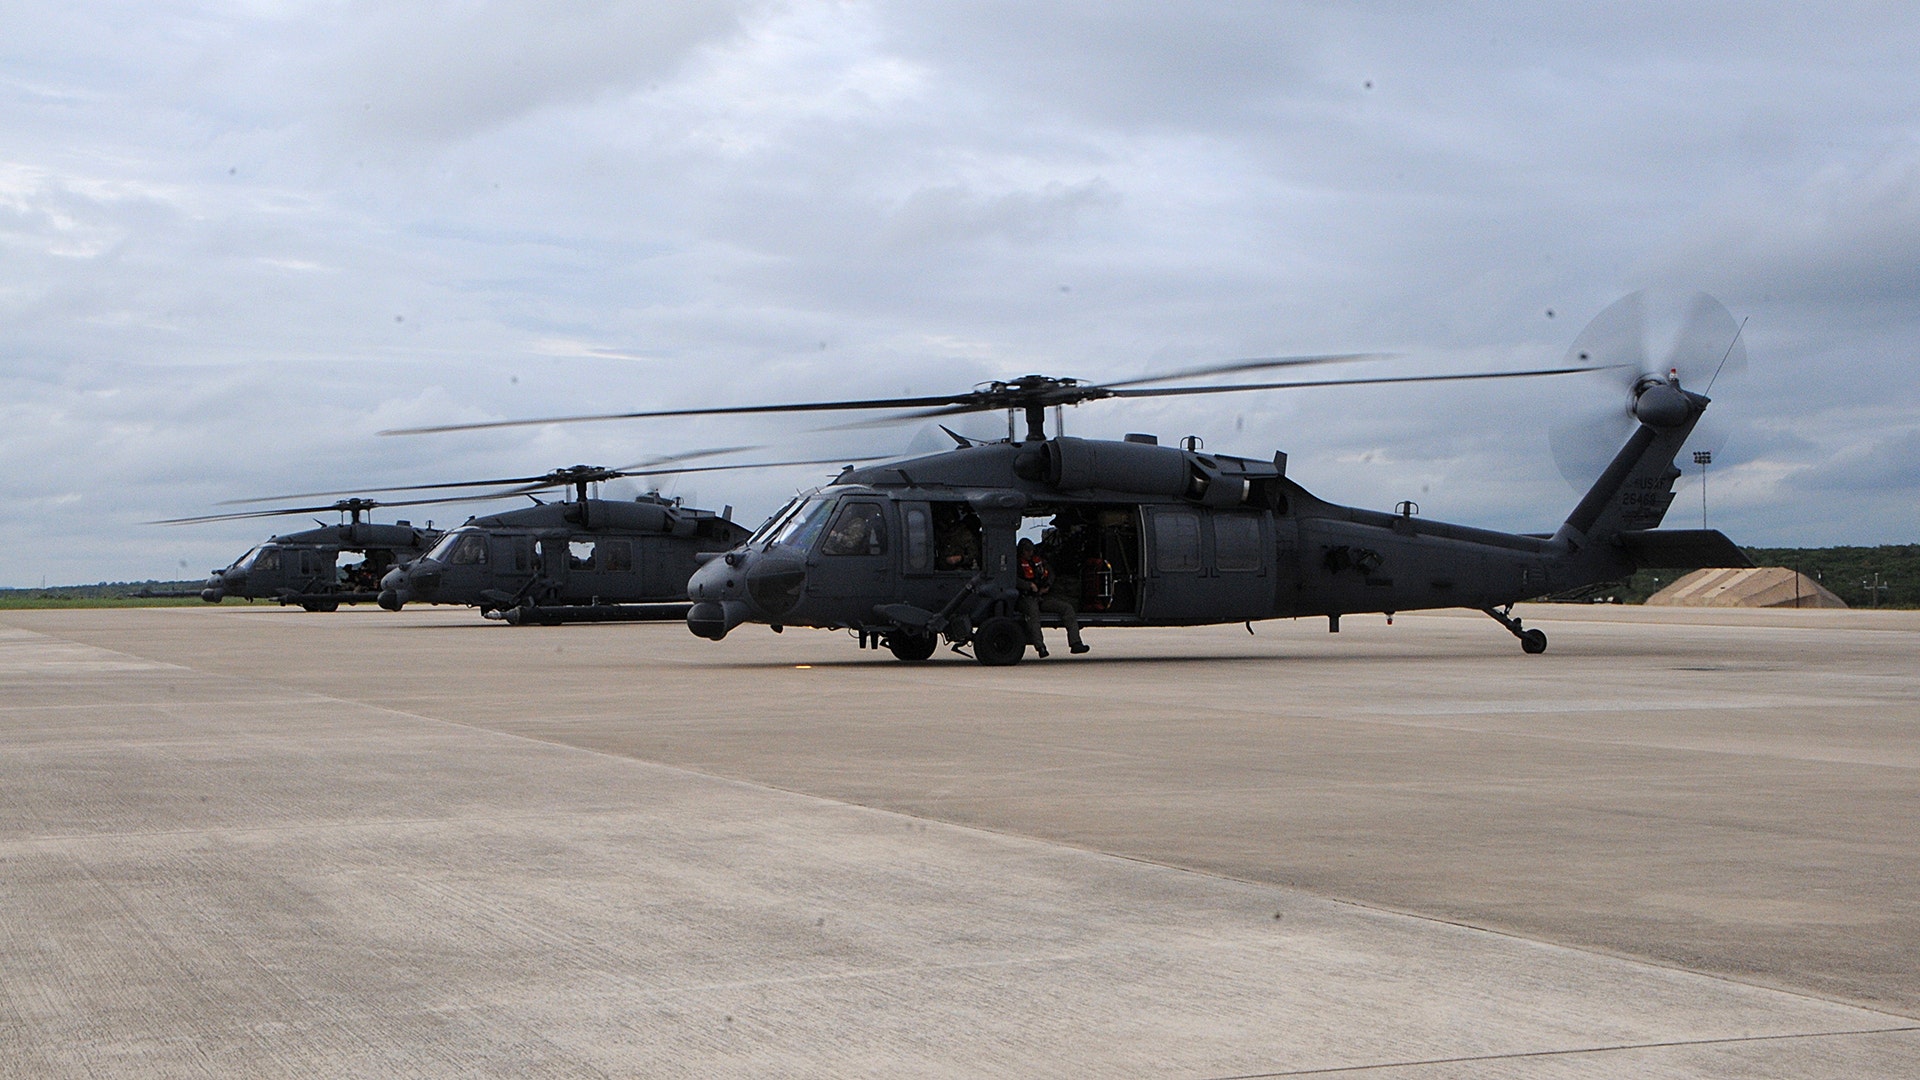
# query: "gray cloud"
236 243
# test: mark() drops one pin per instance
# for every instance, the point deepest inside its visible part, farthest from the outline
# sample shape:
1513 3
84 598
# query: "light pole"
1703 458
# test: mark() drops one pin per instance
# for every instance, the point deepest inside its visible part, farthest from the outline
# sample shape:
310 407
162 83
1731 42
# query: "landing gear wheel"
912 647
1000 642
321 605
1533 642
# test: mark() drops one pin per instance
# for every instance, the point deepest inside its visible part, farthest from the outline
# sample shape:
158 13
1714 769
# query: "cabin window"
580 555
919 535
956 537
1176 540
510 553
1236 541
616 555
306 562
860 529
268 559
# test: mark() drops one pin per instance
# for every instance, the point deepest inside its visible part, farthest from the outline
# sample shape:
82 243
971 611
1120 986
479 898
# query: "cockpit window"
801 529
772 524
860 529
461 548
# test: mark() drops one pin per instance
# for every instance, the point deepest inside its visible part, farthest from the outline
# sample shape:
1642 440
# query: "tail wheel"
1533 642
911 647
1000 642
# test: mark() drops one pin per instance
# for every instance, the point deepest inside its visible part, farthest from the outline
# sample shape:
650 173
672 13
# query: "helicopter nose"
393 589
420 578
717 590
215 590
716 579
775 581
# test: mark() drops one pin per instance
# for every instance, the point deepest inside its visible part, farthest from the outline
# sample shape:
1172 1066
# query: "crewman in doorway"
1036 596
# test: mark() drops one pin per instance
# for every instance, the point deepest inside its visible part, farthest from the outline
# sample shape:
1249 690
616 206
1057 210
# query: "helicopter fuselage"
565 561
304 567
1145 535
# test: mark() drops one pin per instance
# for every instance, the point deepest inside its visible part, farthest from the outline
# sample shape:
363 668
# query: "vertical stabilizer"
1636 488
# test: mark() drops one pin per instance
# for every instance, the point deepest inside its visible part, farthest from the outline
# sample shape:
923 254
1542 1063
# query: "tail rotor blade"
1617 337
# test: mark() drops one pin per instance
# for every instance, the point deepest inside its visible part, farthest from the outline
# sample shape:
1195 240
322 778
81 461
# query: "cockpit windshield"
772 524
801 528
245 562
443 550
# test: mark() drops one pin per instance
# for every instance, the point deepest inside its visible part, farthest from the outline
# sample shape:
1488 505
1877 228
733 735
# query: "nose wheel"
1000 642
1532 642
911 647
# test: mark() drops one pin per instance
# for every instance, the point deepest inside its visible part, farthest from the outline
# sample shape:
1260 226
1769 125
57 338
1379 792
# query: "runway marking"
1525 1054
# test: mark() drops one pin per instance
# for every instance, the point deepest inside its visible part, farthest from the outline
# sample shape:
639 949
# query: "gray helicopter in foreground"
912 553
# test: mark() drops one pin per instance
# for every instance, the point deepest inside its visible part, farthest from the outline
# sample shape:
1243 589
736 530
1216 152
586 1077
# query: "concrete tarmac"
256 841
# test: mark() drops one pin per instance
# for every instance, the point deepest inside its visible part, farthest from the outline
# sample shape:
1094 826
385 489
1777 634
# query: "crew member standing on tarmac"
1036 586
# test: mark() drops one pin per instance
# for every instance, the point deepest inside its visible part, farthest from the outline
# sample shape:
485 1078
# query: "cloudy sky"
237 240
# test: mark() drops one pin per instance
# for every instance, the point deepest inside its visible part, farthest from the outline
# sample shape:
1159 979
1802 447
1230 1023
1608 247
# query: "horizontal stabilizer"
1694 548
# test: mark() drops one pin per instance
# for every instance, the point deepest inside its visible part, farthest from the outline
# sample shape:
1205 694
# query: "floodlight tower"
1703 458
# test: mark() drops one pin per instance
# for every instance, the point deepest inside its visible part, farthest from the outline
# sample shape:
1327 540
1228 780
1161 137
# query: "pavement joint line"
1570 1052
241 831
124 704
1140 860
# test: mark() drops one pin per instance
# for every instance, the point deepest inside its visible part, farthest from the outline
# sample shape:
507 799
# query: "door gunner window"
860 529
918 536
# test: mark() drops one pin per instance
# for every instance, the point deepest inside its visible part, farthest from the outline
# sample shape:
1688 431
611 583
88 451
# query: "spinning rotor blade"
691 455
1174 391
1258 363
738 410
1705 342
1110 391
344 506
997 395
768 465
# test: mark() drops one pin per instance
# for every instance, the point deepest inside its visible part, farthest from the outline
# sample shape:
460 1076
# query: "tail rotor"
1628 387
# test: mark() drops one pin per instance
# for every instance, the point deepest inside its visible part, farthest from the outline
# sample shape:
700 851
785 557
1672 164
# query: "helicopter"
911 553
303 567
580 560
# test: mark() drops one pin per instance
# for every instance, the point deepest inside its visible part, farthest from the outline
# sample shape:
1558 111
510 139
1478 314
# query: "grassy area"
105 594
16 599
1847 571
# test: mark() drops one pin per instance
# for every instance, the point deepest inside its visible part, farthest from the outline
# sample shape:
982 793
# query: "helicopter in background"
912 553
580 559
304 567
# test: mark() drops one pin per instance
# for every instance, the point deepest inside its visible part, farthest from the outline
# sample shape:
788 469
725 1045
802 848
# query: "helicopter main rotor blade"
1074 396
1257 363
712 451
768 465
366 505
1177 391
1027 392
738 410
